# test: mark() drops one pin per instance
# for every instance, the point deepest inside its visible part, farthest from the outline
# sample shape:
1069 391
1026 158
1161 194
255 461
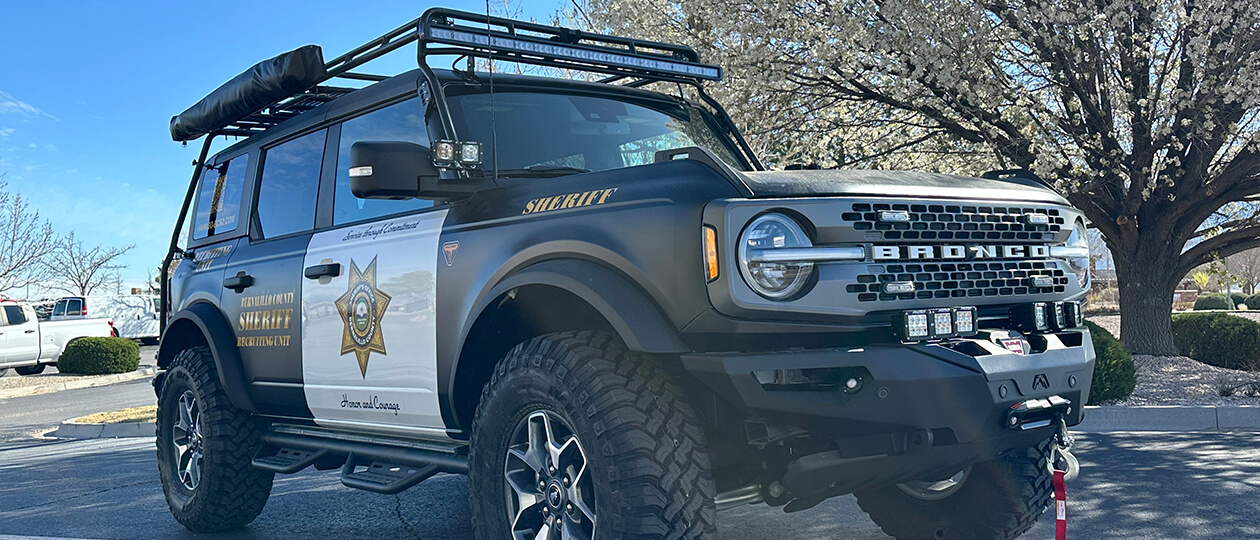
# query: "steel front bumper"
917 411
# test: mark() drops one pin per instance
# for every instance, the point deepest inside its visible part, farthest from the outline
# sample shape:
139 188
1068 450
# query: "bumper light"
1030 317
935 324
899 287
890 216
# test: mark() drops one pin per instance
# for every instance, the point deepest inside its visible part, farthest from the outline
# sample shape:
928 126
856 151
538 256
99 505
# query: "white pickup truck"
29 345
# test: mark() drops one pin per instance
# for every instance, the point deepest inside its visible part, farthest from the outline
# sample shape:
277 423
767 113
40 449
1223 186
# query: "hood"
806 183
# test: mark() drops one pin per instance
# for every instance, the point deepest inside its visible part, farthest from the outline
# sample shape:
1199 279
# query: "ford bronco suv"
593 300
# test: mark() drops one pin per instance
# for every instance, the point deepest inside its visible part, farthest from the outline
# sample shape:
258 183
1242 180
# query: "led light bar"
499 44
899 287
1035 219
893 216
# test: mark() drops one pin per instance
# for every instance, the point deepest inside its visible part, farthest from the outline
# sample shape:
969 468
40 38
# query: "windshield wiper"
542 171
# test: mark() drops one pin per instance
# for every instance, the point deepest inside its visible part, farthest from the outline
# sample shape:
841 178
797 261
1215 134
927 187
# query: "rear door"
369 349
262 284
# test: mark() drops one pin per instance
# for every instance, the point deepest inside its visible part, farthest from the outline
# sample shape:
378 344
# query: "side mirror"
389 170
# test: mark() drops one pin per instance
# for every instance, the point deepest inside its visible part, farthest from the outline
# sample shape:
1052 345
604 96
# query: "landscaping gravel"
1178 380
50 376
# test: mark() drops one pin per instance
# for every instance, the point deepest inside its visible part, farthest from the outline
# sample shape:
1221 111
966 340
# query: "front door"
370 350
20 337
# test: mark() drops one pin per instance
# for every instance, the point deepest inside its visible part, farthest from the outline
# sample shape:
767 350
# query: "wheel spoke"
530 459
544 532
539 436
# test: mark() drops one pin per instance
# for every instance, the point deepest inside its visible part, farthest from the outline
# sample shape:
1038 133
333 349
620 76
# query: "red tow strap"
1060 507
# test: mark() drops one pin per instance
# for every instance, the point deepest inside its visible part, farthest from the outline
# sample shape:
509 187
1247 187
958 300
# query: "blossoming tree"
1143 112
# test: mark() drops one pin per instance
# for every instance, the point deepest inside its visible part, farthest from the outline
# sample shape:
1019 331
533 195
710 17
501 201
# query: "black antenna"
494 131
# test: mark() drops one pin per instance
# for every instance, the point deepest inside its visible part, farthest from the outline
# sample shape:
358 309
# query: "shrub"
99 356
1115 377
1253 301
1218 339
1238 298
1211 301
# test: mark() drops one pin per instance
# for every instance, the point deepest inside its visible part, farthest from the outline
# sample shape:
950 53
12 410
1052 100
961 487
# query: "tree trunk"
1146 290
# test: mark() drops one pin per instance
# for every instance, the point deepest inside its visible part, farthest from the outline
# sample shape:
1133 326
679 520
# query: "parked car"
135 316
28 345
617 323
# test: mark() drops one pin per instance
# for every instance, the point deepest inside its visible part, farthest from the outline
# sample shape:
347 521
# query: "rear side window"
74 307
219 198
399 122
15 315
289 185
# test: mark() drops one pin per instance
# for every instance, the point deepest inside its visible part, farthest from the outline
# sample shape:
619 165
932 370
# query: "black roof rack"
288 85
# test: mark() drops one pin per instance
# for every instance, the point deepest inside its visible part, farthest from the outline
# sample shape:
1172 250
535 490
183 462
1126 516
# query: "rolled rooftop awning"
265 84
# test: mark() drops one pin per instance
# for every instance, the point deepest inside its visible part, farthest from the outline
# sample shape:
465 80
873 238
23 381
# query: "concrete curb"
117 430
102 380
1170 418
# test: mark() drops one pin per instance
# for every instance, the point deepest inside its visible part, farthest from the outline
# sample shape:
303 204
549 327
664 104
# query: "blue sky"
87 90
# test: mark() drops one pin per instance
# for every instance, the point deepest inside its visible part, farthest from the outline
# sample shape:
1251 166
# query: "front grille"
954 222
958 280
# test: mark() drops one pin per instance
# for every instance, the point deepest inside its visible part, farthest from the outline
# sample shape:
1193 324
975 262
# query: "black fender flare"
624 304
219 336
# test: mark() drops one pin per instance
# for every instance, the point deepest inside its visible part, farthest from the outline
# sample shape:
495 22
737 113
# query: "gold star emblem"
362 308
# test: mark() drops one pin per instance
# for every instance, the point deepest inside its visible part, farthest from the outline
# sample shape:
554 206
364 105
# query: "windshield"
572 133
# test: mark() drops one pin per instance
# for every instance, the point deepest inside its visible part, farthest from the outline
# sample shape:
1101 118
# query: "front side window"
219 197
14 315
399 122
537 132
289 185
59 309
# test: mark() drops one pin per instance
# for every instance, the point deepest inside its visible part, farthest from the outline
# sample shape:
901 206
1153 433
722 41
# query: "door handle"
239 282
322 270
29 332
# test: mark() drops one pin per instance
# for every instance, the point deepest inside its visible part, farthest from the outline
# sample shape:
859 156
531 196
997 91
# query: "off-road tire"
642 438
1000 500
31 370
231 492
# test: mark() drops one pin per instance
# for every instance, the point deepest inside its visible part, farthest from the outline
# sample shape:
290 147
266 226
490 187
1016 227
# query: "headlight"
775 280
1078 250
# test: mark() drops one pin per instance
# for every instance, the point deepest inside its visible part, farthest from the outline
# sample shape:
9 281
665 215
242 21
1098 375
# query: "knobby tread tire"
643 439
231 492
1001 500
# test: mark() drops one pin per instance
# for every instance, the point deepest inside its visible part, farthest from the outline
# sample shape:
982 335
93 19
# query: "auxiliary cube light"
935 324
448 154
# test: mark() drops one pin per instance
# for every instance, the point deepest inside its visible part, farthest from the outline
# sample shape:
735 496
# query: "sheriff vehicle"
593 299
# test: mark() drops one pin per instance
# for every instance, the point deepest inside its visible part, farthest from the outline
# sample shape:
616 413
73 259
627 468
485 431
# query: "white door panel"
369 344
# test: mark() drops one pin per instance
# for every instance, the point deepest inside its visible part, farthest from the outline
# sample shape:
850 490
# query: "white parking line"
7 537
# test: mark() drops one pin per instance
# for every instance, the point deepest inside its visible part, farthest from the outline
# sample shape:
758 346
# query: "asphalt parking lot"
1132 485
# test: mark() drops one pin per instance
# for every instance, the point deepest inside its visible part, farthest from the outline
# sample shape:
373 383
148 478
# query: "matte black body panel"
644 239
895 184
267 322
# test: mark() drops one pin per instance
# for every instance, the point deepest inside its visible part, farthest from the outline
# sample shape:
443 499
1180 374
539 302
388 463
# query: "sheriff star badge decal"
362 307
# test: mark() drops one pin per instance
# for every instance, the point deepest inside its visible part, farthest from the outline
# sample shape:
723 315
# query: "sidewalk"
1110 418
43 384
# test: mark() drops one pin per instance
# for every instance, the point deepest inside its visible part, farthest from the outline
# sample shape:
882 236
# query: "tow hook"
1061 457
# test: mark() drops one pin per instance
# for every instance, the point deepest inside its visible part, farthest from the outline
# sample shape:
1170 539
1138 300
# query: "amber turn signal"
710 252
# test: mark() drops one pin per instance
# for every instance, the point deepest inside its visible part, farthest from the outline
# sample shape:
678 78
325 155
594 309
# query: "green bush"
1238 298
1218 339
1211 301
1253 301
99 356
1115 377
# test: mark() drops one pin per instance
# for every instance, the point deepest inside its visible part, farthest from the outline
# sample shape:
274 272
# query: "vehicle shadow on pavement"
1149 486
1167 485
109 489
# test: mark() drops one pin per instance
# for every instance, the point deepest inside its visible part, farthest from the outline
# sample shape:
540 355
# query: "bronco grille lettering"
886 253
